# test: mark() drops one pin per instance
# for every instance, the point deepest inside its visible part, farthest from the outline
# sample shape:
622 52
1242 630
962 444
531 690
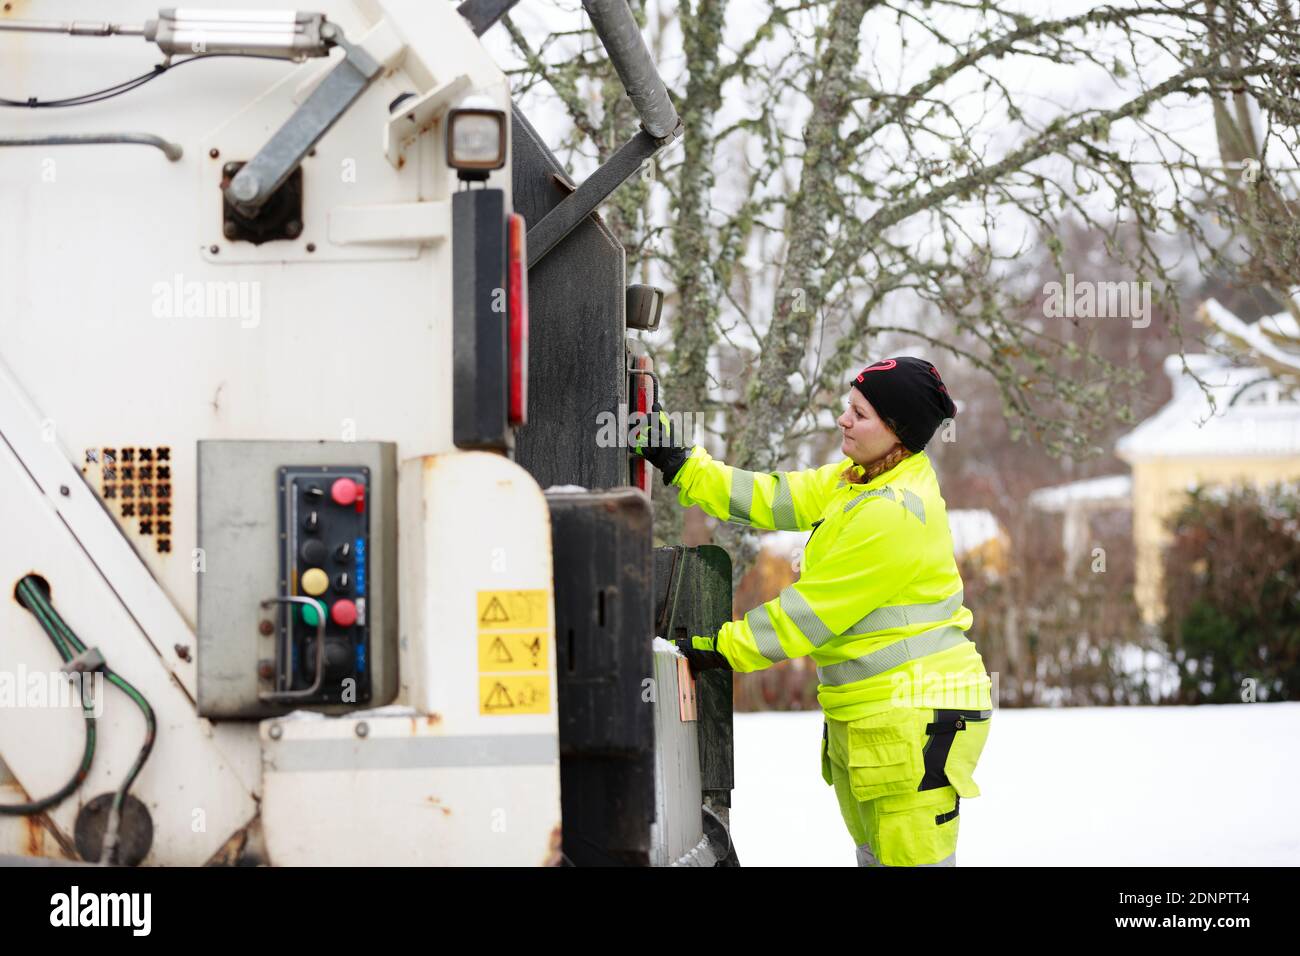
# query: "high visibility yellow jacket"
878 604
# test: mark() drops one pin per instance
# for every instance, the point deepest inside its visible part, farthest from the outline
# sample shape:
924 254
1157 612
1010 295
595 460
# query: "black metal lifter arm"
660 124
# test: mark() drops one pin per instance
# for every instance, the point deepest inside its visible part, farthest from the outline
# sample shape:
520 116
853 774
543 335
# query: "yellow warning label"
512 653
513 610
514 695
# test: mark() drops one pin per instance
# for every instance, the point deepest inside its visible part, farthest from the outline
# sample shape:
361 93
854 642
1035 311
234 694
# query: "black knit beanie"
909 395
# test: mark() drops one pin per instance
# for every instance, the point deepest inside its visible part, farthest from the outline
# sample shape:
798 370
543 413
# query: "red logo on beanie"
883 366
935 372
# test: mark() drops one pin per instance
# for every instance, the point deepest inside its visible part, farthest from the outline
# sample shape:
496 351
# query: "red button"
344 613
344 491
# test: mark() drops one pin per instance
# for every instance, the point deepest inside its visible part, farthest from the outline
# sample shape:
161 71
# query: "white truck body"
128 320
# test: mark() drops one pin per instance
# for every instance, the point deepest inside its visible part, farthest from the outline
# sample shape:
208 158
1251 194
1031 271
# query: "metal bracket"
417 117
284 152
687 708
87 662
654 381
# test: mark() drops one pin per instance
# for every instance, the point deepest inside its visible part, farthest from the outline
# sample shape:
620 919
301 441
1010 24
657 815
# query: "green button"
310 615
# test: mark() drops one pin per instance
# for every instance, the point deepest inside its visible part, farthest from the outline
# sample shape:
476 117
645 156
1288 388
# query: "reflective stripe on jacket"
878 605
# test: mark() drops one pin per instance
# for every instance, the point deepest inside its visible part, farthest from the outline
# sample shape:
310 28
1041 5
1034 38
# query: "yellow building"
1251 435
979 539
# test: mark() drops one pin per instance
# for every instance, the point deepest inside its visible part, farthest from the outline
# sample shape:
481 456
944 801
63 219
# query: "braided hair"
858 475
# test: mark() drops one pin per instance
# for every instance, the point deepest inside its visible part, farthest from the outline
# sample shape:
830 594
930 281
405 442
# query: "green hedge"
1232 594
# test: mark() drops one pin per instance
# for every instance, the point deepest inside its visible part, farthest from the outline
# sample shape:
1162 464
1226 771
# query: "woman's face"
866 436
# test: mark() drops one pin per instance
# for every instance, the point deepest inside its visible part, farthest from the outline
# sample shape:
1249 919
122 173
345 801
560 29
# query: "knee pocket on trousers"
884 753
906 831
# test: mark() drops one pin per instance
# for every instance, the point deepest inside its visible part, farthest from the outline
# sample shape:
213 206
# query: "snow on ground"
1083 786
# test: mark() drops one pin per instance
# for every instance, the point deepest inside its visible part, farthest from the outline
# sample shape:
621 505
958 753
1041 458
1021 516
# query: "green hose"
29 596
36 600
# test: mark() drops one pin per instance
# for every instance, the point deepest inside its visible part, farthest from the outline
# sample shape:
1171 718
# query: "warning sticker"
514 695
512 653
513 610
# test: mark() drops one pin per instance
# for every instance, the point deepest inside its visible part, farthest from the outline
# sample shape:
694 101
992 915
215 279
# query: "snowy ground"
1082 786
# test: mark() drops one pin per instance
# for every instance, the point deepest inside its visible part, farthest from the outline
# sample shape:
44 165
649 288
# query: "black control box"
324 523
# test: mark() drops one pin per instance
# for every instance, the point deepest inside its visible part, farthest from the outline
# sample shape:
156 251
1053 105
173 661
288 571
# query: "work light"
476 141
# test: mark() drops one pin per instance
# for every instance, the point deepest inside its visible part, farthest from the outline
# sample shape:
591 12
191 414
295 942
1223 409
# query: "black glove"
660 447
700 653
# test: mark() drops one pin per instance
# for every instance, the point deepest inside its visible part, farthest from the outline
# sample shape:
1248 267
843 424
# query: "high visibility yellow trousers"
879 764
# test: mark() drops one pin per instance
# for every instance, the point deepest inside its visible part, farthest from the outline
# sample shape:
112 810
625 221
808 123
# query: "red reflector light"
517 282
642 389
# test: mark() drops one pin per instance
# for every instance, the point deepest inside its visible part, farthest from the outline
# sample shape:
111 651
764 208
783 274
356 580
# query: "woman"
878 606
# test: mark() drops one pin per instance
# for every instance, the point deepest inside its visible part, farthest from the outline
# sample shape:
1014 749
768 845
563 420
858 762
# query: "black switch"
342 582
314 553
343 553
314 493
312 523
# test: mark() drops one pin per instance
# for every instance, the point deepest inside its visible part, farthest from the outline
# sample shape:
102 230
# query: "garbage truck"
313 553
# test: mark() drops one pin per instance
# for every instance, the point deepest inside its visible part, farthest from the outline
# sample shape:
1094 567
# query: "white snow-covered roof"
783 544
1273 339
972 528
1112 489
1262 422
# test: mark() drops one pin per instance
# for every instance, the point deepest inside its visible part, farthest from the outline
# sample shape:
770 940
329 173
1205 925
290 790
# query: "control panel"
324 638
297 577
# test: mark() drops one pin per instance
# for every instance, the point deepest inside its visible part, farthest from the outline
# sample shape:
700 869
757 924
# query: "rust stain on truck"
430 720
555 852
39 836
33 837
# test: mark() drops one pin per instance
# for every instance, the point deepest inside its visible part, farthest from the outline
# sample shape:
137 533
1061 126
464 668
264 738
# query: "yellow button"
315 581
